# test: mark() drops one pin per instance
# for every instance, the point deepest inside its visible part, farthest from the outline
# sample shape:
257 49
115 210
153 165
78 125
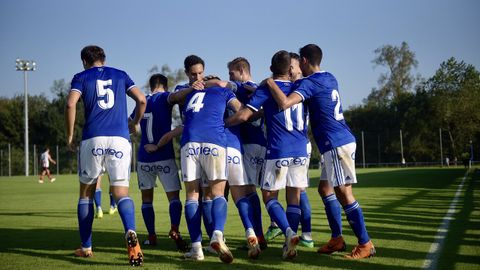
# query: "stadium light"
26 65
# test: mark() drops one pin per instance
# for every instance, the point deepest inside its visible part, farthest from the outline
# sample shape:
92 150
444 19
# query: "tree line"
448 101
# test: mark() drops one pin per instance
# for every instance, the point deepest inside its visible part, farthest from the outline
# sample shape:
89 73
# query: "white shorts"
285 172
236 172
339 165
253 159
104 153
203 158
166 170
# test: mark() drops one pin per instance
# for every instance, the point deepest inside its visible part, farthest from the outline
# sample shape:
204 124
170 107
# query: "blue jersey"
103 91
250 132
320 93
204 111
286 130
156 121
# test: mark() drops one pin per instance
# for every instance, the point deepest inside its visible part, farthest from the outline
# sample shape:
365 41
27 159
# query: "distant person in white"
45 160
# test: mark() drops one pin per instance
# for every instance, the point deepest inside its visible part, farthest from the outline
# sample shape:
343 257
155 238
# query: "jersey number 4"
196 102
106 94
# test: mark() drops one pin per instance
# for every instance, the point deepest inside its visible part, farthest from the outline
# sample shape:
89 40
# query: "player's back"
156 121
103 91
250 132
203 116
286 129
320 91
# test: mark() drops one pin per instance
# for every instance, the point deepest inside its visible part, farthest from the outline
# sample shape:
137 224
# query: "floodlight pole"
26 65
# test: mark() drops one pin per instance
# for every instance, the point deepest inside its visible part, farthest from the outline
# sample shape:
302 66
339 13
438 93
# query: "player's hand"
150 148
70 145
198 85
133 128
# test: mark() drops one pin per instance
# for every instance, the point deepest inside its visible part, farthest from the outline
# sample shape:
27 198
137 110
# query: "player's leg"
253 159
306 220
206 206
168 176
333 210
193 219
191 172
215 168
117 164
113 205
42 175
85 213
148 214
345 176
98 198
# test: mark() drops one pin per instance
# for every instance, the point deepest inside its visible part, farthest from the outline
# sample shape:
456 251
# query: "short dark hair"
239 62
158 79
312 53
280 63
92 53
192 60
295 56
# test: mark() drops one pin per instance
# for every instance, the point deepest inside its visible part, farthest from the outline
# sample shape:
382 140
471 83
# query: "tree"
398 79
455 91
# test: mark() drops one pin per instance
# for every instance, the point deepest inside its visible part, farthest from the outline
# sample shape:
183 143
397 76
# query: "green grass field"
403 210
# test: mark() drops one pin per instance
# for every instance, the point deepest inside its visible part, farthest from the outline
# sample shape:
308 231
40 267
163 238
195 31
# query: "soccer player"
305 219
252 138
154 160
286 156
319 90
195 71
105 142
45 160
203 151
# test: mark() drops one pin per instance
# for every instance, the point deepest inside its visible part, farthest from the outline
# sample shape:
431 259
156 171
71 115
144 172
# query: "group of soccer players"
223 147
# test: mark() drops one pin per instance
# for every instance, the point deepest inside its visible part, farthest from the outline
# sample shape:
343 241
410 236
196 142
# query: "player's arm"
51 159
283 101
166 138
70 112
234 104
179 96
140 105
239 117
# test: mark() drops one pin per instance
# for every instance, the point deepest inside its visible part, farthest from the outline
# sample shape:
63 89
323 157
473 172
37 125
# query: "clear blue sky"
137 35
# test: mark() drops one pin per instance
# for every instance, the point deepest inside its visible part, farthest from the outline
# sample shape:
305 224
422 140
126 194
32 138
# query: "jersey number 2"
107 95
336 97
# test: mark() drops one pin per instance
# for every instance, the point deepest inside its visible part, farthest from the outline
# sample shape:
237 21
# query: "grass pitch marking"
431 261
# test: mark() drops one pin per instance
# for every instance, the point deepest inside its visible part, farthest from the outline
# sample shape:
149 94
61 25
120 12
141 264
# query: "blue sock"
293 216
175 210
355 218
245 212
257 213
306 218
85 220
276 212
207 217
149 217
219 213
98 197
112 201
194 219
334 214
126 209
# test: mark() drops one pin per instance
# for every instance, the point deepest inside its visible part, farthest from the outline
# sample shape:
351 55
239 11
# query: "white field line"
431 261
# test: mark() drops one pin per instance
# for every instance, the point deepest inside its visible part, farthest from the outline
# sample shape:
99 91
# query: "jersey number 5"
196 102
102 91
